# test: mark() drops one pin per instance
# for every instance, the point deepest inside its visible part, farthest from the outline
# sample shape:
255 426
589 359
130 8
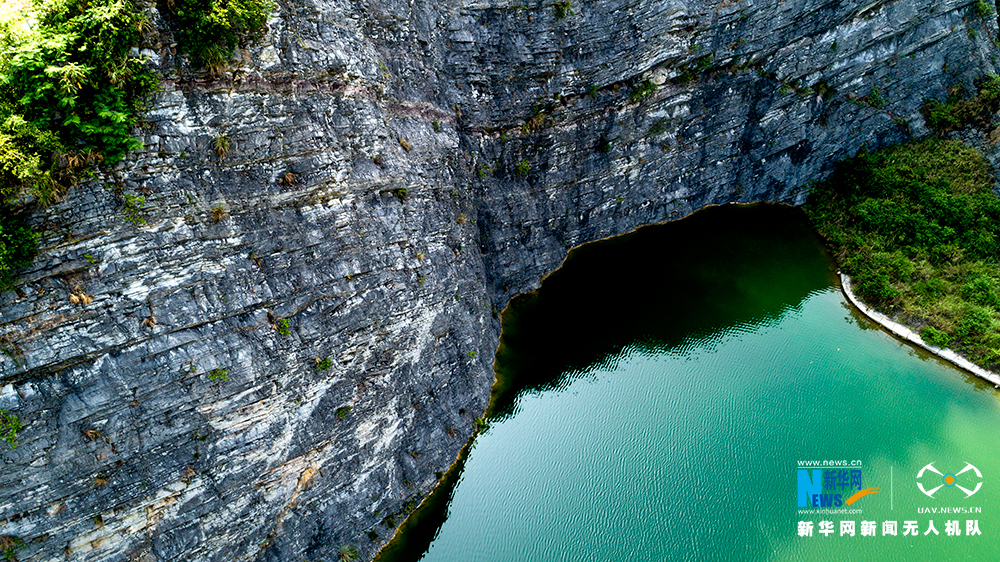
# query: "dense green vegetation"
70 87
69 97
917 226
210 30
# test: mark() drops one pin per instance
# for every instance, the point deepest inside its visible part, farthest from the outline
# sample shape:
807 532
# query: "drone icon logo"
949 480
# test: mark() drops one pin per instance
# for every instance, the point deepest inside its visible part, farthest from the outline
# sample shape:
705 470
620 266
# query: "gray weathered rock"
514 136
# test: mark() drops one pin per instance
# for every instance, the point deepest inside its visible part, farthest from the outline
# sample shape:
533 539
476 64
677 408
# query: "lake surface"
656 396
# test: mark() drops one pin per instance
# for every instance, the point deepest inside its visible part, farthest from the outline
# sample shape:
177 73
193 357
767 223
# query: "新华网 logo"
948 480
831 487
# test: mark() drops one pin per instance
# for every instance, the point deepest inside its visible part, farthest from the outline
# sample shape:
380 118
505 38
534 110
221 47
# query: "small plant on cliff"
348 553
982 9
875 98
218 213
643 91
283 325
9 545
343 411
220 146
9 426
523 168
219 374
133 207
693 70
324 364
562 9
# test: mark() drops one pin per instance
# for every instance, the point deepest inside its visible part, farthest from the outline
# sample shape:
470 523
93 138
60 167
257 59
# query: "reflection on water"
717 269
654 396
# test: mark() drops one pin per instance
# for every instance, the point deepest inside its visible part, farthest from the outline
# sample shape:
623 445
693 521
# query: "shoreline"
905 333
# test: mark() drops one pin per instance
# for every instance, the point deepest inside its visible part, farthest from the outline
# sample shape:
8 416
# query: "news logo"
829 488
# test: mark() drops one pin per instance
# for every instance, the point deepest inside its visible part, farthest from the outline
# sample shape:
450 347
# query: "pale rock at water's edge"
396 172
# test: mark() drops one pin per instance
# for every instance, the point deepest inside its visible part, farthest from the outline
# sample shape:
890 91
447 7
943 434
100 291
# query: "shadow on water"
654 288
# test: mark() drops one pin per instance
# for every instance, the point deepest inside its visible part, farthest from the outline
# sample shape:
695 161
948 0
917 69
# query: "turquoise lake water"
656 396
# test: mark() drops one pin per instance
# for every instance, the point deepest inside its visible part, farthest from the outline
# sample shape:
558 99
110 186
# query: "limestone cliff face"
396 171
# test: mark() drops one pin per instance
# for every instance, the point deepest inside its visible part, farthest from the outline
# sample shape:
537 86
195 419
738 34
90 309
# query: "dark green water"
655 396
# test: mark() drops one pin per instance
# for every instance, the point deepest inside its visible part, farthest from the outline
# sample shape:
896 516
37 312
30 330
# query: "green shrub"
982 9
523 168
9 426
219 374
983 291
348 553
562 9
210 30
940 116
25 157
935 337
324 364
343 411
974 321
283 325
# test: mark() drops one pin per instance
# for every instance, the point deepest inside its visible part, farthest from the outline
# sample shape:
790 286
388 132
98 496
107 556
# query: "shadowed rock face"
516 135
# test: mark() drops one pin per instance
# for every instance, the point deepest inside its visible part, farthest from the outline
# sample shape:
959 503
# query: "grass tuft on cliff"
917 227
